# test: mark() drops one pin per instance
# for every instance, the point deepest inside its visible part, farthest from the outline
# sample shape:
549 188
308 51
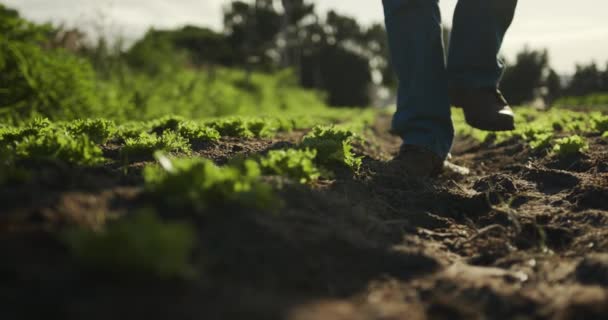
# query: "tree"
586 80
338 56
252 30
604 80
522 80
294 12
553 83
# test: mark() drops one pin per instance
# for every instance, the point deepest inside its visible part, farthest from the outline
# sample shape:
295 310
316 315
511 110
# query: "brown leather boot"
415 161
484 109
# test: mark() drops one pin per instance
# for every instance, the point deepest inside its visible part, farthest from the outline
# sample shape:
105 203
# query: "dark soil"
524 236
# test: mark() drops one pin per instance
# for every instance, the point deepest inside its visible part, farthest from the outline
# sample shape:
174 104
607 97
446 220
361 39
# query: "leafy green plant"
570 145
146 144
189 130
199 183
197 133
295 164
261 127
131 130
232 127
333 146
98 130
141 244
600 123
165 123
541 141
58 145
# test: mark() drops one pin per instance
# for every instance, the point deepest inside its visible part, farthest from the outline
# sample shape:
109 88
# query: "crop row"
559 131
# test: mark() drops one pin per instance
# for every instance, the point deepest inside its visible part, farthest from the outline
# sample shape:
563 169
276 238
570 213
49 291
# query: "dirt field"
522 237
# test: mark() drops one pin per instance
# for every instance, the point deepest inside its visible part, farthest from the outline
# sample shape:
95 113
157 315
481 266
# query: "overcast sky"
573 31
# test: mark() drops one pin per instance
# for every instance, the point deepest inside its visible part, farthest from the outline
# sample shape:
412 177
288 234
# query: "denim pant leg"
478 31
415 39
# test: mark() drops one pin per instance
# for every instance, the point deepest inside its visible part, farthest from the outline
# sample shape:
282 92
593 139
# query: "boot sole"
499 123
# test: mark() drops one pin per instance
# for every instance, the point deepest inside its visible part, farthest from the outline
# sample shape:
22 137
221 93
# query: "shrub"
295 164
52 83
333 146
199 183
142 244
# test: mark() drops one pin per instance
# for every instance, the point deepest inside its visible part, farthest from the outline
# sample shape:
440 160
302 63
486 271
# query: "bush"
14 28
51 83
142 244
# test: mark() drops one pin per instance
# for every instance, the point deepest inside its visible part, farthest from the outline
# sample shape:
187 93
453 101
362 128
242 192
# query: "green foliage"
130 130
58 145
570 145
52 83
138 245
197 133
600 123
593 101
189 130
171 123
538 128
155 55
199 183
541 141
244 127
146 144
15 28
232 127
208 93
98 130
333 146
42 140
295 164
9 172
522 80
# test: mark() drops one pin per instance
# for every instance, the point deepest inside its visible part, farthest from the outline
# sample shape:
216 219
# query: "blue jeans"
415 39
